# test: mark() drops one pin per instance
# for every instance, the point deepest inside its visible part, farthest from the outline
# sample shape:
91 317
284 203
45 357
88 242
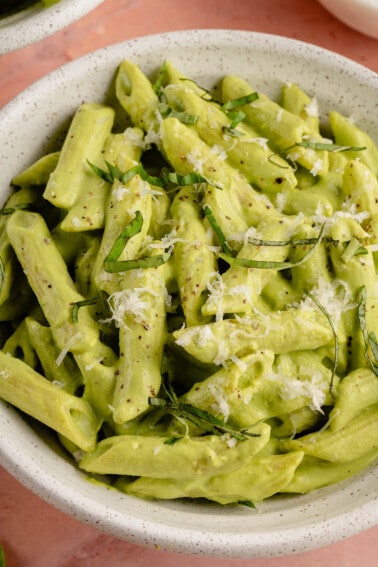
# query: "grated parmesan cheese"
5 374
334 296
76 222
195 160
317 167
63 353
291 387
312 109
129 301
221 406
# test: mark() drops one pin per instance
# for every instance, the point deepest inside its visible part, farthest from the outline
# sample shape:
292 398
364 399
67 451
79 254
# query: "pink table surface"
33 533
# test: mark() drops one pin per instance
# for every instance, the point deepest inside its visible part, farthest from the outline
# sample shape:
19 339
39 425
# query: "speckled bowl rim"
280 526
32 24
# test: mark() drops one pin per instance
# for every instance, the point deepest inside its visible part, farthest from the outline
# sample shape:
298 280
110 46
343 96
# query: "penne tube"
194 261
188 291
282 128
191 456
245 149
281 332
179 140
346 133
296 101
137 97
65 375
140 311
313 473
352 441
50 281
39 172
257 480
72 176
357 391
67 414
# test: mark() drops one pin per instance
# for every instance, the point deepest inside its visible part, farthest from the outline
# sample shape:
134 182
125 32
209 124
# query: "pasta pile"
190 302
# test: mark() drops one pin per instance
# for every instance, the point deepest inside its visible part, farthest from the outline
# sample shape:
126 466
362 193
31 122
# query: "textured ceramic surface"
35 23
28 127
361 15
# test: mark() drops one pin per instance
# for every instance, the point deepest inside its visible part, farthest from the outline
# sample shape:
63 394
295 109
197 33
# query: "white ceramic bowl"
34 23
28 125
361 15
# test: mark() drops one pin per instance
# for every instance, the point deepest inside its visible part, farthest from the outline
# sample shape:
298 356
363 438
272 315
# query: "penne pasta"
188 291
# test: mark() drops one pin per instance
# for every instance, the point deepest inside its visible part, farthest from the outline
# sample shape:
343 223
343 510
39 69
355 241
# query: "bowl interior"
30 126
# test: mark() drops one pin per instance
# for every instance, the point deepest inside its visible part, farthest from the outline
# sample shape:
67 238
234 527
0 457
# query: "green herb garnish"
329 147
182 180
247 503
2 274
236 102
271 264
84 303
370 339
158 84
136 263
183 117
19 207
236 116
2 557
111 262
132 228
335 337
114 173
166 178
217 229
199 417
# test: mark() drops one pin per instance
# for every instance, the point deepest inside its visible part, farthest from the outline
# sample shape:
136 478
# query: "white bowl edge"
35 23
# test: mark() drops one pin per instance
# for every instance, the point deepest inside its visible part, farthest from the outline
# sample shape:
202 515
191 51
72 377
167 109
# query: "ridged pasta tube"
67 414
190 456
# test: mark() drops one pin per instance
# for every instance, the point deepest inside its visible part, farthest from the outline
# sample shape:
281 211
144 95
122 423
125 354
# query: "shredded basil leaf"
247 503
236 102
172 440
19 207
329 147
84 303
236 117
184 117
206 93
2 274
166 110
2 557
373 344
268 264
182 180
132 228
295 242
105 175
115 173
232 132
369 338
158 84
270 158
136 263
335 337
217 229
361 251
